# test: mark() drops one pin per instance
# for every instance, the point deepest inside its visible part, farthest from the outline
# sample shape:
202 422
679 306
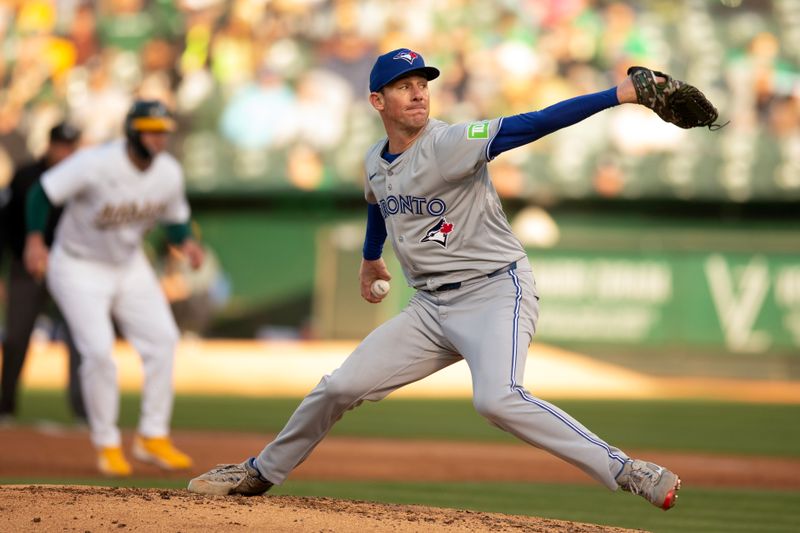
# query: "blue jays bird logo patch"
438 233
408 55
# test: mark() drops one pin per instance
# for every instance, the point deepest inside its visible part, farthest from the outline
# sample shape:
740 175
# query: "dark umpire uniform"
26 296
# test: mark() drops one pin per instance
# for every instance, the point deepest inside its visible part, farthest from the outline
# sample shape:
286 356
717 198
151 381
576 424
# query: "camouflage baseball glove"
673 100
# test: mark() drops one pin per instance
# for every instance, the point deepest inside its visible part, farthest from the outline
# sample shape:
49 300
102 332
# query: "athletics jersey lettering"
110 204
112 216
411 205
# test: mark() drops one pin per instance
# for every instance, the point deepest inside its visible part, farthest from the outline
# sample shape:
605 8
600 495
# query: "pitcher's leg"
494 340
397 353
546 426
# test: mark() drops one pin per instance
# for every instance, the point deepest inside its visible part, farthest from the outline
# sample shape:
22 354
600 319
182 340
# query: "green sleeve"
177 233
37 209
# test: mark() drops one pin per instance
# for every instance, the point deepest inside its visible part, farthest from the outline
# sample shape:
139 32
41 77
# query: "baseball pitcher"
112 195
429 191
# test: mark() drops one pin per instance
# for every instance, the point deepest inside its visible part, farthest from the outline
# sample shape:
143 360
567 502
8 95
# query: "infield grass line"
684 426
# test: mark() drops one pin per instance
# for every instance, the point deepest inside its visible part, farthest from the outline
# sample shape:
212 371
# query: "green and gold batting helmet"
146 116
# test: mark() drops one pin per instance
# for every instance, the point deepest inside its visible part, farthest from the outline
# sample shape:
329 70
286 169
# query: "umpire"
26 296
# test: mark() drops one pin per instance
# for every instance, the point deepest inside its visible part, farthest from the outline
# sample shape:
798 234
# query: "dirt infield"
56 453
70 508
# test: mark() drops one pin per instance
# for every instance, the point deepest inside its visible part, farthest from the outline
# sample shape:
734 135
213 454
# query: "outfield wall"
616 283
621 283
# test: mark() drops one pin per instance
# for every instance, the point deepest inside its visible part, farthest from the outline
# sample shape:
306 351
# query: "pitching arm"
372 265
376 233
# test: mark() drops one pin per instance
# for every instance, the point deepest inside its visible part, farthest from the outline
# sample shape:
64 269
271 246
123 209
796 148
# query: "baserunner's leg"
145 319
84 291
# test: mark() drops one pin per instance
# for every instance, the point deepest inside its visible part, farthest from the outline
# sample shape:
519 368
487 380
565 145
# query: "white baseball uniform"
476 300
97 270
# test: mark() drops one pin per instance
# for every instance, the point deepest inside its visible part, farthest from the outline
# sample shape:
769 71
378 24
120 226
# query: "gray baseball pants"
489 322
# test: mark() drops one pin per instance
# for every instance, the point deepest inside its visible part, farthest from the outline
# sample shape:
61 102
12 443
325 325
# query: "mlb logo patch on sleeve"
478 130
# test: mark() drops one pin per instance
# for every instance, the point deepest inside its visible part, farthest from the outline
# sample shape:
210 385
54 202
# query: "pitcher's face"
405 102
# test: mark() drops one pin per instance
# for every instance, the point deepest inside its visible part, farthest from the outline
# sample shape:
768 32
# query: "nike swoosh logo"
372 176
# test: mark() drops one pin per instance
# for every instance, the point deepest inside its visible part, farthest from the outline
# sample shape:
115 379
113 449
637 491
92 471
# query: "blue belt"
457 284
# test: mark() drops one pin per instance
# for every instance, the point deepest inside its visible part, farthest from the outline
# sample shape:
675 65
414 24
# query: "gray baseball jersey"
476 301
442 212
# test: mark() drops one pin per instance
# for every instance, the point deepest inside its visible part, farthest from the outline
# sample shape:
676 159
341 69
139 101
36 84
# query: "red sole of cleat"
672 497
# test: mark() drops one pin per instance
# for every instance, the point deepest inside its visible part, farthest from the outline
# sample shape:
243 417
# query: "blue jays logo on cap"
439 232
392 65
408 55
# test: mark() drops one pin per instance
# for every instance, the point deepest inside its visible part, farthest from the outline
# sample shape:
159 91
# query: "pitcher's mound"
79 508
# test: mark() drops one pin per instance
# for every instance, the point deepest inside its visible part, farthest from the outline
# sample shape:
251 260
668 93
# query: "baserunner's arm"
37 209
180 235
178 232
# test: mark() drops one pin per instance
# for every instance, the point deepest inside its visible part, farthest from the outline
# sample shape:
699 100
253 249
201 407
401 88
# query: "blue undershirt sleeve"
376 233
527 127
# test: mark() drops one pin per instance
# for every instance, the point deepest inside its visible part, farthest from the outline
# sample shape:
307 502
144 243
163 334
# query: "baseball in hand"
379 288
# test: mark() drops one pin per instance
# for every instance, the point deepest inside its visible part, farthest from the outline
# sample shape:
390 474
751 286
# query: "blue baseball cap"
395 64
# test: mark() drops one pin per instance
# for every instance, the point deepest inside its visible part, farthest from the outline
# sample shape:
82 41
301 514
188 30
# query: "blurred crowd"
271 94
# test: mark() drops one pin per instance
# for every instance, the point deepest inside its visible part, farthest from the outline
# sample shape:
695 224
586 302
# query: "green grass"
699 510
700 426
